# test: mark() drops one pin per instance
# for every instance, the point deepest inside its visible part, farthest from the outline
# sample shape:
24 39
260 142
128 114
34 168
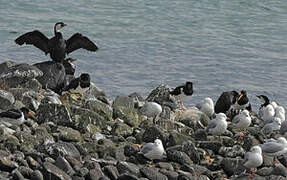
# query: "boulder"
6 100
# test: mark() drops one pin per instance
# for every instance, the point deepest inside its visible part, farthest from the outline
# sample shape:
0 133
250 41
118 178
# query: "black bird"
232 100
79 85
265 100
182 92
16 116
57 46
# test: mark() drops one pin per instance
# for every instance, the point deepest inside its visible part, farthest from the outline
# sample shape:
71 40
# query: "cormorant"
57 46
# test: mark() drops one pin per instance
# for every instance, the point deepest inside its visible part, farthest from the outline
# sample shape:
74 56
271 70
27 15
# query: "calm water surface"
220 45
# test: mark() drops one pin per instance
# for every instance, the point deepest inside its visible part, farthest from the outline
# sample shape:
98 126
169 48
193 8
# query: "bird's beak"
258 96
241 95
32 115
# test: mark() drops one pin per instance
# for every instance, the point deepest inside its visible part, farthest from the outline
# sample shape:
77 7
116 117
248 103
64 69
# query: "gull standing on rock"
270 127
280 113
206 106
265 102
242 121
275 148
182 92
153 150
253 159
218 125
151 109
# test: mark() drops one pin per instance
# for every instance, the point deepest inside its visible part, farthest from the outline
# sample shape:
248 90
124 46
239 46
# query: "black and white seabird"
16 116
264 99
232 100
182 92
79 85
57 46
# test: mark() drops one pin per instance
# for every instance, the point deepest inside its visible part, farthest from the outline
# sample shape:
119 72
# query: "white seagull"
153 150
242 121
206 106
218 125
253 159
151 109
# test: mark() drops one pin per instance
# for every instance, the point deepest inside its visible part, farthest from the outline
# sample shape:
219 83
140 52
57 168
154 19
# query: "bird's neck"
58 35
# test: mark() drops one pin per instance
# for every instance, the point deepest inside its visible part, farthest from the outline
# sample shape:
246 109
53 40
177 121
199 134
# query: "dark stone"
57 113
130 150
111 172
51 171
32 163
7 165
37 175
25 171
127 176
212 145
178 156
33 84
31 100
53 75
280 170
63 149
95 174
190 149
165 165
15 75
153 133
152 174
77 178
63 164
231 165
171 175
200 135
75 163
6 100
126 167
17 175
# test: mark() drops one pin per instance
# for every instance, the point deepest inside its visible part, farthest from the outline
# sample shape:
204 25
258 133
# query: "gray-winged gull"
242 121
218 125
267 113
280 113
273 126
153 150
206 106
275 148
151 109
253 159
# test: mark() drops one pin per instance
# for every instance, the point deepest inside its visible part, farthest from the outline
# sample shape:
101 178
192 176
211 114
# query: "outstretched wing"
78 41
35 38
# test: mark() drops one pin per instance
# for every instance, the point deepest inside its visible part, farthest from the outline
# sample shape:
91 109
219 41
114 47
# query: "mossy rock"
69 135
128 115
101 108
121 129
176 138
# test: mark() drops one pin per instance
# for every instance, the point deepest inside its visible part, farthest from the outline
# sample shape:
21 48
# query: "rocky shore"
92 137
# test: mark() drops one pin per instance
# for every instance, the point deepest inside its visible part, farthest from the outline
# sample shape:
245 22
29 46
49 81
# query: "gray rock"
165 165
95 174
231 165
193 118
15 75
53 75
153 133
37 175
99 107
63 164
190 149
200 135
7 165
152 174
62 148
58 114
31 100
121 129
171 175
51 171
94 91
51 100
126 176
126 167
111 172
123 102
178 156
212 145
232 152
17 175
33 163
33 84
280 170
69 135
176 138
25 171
6 100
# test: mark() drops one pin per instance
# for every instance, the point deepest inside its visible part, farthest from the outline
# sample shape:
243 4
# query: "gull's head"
58 26
157 142
280 110
282 140
221 116
209 101
274 104
277 121
245 112
256 149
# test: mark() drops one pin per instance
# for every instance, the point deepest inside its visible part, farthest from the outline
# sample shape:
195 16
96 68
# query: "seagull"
280 113
267 113
153 150
242 121
253 159
283 127
218 125
206 106
182 92
270 127
15 116
151 109
275 148
265 101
